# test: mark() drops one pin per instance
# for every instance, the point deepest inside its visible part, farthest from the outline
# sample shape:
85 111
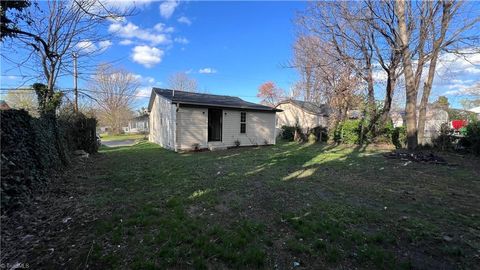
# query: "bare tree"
114 91
380 17
55 31
182 82
443 35
23 99
411 91
329 81
338 24
425 30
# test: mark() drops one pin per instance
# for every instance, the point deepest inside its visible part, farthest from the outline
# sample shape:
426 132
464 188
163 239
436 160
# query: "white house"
185 121
435 117
306 115
477 111
138 124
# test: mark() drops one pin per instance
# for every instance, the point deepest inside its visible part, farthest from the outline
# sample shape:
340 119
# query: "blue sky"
228 47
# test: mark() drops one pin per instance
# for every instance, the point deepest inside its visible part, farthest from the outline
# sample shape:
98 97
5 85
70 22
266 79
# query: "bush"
288 133
348 132
471 140
399 137
444 140
384 135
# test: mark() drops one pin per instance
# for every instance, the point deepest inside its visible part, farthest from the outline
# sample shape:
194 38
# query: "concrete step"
216 146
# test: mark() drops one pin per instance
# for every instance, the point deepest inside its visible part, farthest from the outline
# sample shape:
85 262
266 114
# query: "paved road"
119 143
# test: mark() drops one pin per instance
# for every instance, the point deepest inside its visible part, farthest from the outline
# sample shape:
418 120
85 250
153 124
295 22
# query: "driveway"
129 142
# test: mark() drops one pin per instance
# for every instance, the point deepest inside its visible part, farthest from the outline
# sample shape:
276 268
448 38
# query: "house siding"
293 115
260 128
162 123
192 127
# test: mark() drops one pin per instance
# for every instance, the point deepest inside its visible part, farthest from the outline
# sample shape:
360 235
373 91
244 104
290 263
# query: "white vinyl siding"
293 115
192 127
162 123
260 128
183 128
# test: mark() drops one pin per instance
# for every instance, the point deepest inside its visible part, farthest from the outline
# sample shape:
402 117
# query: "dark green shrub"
399 137
288 133
471 141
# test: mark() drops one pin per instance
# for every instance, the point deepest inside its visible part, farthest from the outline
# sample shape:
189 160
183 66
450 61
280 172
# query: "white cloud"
12 77
126 42
168 7
147 56
86 46
181 40
184 20
467 64
130 30
207 71
124 5
456 74
161 27
144 92
105 44
145 80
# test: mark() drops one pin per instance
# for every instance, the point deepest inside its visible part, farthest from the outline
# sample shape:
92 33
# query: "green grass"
319 205
106 137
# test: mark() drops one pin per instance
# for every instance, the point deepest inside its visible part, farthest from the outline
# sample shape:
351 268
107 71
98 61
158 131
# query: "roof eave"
226 106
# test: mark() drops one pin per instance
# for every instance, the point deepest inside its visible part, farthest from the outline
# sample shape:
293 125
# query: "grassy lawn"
106 137
310 206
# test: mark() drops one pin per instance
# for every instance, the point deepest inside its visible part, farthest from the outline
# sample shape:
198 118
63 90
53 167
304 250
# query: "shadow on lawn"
322 205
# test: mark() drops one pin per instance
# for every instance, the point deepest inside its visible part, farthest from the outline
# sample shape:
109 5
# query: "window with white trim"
243 122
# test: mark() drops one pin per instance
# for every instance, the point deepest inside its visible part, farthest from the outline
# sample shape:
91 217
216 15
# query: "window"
243 124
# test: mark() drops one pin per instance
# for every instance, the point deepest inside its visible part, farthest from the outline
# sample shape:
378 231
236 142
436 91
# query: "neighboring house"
4 105
477 111
185 121
138 124
435 117
306 115
103 129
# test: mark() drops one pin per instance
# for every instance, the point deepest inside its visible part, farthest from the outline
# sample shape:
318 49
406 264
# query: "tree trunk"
371 95
372 110
387 105
422 113
446 15
410 90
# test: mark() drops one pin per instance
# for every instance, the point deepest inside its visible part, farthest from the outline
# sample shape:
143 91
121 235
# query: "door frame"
220 124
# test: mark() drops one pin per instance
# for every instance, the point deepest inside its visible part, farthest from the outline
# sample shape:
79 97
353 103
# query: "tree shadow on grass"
325 202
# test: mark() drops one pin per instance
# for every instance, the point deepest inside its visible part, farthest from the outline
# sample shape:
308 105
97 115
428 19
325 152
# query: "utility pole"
75 78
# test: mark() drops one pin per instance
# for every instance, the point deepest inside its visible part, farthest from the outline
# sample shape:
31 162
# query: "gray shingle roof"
209 100
310 107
